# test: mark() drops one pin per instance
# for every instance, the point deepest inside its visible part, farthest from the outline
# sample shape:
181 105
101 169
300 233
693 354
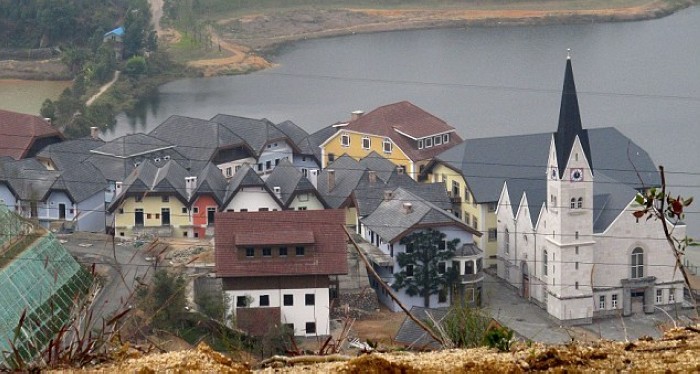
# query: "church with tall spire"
567 238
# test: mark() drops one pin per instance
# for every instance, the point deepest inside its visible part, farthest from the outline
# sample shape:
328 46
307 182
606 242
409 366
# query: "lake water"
27 96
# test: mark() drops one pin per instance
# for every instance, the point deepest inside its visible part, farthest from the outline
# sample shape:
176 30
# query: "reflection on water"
27 96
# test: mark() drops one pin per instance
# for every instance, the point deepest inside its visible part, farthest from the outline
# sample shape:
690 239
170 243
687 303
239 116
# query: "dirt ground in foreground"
381 327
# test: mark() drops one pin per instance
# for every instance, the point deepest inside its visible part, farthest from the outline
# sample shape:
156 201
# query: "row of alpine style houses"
551 211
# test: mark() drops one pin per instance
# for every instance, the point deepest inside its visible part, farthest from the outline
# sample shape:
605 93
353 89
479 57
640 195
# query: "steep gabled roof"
348 172
29 179
149 178
132 145
569 123
211 181
295 133
379 164
290 181
19 131
413 335
81 181
255 132
313 141
245 177
368 195
392 222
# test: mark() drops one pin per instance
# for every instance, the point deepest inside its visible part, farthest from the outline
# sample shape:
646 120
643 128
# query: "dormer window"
420 143
387 145
445 138
166 158
437 140
345 140
428 142
366 142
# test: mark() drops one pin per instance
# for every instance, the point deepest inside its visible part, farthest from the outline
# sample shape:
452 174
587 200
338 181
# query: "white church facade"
567 238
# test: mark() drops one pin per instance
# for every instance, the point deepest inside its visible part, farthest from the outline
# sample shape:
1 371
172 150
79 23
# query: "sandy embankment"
246 39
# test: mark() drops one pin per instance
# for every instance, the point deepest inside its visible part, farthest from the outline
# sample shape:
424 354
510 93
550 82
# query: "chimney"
372 176
407 208
388 195
94 132
356 114
399 170
190 185
117 188
278 191
331 180
47 119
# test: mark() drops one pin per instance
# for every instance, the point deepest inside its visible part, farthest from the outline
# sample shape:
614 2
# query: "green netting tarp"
39 276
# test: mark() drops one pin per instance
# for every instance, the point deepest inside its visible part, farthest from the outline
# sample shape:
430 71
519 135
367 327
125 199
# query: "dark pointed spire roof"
569 122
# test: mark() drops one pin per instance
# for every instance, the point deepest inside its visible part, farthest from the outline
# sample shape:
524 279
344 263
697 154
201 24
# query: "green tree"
137 27
165 298
48 110
424 269
135 65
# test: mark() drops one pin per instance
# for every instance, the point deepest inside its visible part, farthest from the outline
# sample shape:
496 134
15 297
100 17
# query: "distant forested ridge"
47 23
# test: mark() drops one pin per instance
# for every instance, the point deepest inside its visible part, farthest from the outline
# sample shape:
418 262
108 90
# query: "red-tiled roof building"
281 263
24 135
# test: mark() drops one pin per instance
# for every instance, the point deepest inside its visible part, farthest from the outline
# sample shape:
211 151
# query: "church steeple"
569 122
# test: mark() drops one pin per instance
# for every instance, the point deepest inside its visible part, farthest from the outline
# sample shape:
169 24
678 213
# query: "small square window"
300 251
310 299
387 146
409 270
121 210
184 210
428 142
283 251
165 199
250 252
241 302
264 300
195 210
345 140
445 138
267 252
148 216
288 300
420 143
437 140
310 327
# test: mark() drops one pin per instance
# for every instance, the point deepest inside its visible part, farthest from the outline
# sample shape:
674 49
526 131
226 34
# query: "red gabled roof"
326 256
19 131
400 118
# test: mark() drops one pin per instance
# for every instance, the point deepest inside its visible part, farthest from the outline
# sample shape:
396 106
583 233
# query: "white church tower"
568 256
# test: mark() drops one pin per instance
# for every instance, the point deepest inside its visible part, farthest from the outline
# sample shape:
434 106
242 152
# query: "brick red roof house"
242 236
24 135
405 123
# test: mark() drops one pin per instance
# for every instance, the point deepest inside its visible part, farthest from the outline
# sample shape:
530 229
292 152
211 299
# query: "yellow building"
401 132
479 216
153 200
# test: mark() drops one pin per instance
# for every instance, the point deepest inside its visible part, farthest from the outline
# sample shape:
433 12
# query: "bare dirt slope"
677 351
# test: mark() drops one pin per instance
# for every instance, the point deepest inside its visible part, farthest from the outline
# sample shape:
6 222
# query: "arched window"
544 262
637 264
573 203
580 202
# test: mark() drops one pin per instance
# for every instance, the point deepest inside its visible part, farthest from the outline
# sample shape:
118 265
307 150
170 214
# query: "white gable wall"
252 199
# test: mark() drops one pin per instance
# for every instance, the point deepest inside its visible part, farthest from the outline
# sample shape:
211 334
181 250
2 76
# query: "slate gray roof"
536 190
69 153
313 141
197 139
29 179
411 334
609 200
131 145
488 162
368 196
381 165
390 220
211 181
290 181
348 172
468 249
295 133
81 181
147 177
255 132
244 177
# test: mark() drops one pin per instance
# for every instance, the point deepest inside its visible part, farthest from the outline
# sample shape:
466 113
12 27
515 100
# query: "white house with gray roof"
567 237
402 213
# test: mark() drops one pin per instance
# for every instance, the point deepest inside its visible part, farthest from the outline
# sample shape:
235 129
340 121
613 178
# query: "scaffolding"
38 278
